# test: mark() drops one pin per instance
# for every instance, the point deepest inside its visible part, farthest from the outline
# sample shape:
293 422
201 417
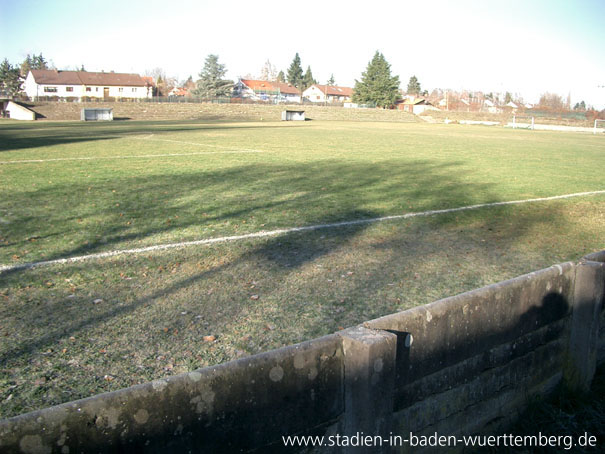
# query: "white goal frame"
594 131
525 125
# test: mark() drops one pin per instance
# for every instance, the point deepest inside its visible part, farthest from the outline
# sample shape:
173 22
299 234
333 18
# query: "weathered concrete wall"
468 362
462 365
600 258
240 405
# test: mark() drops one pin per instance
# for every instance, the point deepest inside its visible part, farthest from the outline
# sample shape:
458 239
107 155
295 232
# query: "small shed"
293 115
11 109
97 114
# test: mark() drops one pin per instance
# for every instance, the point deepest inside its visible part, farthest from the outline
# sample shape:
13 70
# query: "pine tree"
331 81
414 86
26 66
33 62
307 80
211 83
295 72
10 81
281 77
377 86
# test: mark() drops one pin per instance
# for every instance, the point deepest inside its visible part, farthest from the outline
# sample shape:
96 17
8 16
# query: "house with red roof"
265 90
328 93
85 84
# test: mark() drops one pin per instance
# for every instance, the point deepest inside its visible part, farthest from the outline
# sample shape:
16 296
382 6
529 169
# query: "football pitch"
134 250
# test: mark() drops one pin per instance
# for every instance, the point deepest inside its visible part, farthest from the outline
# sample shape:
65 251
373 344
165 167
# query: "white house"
80 84
328 93
264 90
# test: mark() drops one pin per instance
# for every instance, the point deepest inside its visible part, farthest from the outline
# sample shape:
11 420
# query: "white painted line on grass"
262 234
95 158
155 139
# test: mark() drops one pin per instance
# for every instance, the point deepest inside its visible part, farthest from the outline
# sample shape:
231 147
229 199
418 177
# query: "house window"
88 88
50 89
96 88
120 89
69 88
134 89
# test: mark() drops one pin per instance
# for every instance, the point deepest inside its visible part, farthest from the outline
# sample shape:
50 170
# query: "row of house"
81 85
107 85
263 90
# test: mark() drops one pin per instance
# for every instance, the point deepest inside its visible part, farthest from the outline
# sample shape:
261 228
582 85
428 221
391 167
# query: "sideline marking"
151 137
262 234
94 158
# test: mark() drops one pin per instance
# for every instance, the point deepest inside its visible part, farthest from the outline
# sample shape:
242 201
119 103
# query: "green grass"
57 344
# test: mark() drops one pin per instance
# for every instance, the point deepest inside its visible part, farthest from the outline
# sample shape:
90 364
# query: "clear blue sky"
528 47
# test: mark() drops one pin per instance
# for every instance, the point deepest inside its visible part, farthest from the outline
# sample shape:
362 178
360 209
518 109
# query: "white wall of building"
34 90
17 112
314 94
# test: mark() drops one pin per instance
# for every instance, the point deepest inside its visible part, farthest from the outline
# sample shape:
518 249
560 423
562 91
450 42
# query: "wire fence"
189 99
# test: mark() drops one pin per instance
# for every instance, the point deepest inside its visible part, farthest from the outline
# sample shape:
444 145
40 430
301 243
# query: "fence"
186 100
462 365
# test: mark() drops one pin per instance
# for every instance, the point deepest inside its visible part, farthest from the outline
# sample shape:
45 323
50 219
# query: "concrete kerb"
236 406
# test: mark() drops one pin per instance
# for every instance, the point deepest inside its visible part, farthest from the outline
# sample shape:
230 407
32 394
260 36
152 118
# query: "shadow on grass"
278 195
228 201
17 137
290 250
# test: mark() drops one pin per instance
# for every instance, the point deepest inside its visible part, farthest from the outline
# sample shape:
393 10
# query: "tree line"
377 86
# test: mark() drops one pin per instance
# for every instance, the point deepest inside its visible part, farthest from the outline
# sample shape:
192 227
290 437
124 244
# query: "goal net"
522 122
599 126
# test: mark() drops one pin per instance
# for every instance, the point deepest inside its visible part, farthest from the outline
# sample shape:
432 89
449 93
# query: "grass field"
72 189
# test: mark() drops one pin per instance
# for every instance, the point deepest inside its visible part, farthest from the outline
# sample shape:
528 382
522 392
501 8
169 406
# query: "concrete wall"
462 365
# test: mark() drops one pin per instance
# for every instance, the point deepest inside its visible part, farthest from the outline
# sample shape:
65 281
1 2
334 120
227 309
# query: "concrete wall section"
447 332
240 405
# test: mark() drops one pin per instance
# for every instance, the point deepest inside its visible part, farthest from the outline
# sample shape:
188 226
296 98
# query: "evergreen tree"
414 86
211 83
307 79
33 62
281 77
331 81
10 80
39 62
295 72
377 86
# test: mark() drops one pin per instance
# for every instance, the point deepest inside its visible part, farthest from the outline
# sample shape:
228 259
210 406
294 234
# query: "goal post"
598 128
523 122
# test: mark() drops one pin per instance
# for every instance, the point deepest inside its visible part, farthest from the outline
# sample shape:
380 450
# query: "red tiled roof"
333 90
265 85
49 76
46 76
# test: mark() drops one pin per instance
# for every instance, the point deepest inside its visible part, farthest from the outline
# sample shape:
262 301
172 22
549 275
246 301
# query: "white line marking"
95 158
151 137
262 234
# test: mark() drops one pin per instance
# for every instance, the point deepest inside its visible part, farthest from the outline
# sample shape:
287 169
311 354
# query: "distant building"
84 84
415 105
328 93
264 90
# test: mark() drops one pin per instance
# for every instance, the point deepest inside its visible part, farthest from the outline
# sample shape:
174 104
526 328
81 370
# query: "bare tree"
268 72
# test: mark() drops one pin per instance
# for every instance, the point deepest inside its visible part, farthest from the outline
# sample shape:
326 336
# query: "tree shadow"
24 136
302 194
